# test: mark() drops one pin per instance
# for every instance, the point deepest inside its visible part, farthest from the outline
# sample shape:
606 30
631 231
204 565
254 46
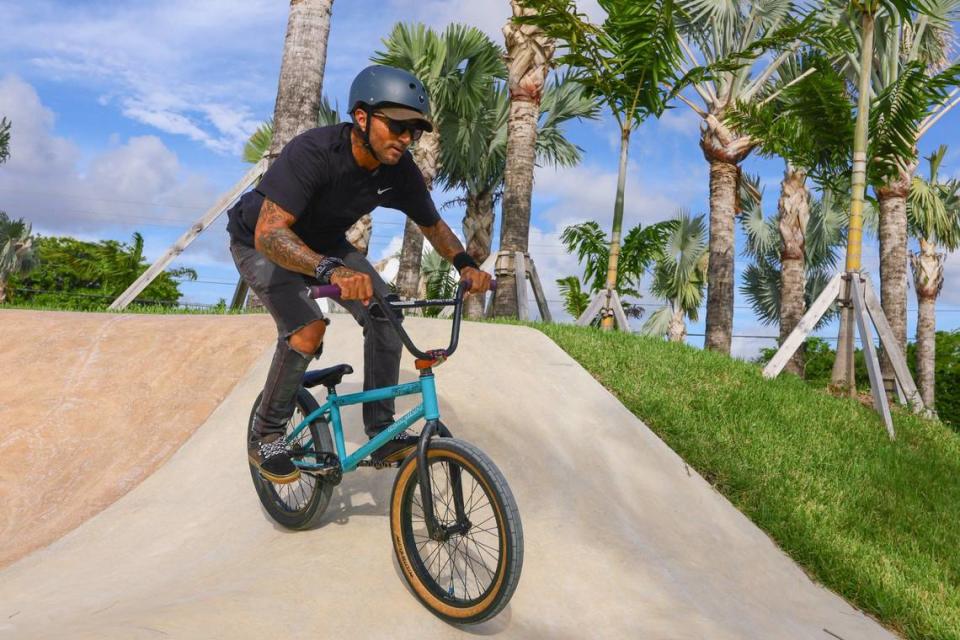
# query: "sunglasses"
398 127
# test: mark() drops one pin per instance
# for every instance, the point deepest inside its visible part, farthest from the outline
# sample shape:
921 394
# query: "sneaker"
397 449
272 458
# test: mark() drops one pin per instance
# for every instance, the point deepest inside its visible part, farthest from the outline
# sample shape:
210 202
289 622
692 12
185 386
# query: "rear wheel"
300 504
468 576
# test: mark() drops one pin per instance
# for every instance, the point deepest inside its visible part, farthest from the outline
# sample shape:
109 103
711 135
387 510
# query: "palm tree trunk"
607 323
301 81
677 329
794 212
359 234
427 157
301 71
843 368
477 231
528 56
724 186
927 267
893 264
3 292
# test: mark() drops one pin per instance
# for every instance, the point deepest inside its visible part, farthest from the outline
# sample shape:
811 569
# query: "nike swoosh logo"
383 191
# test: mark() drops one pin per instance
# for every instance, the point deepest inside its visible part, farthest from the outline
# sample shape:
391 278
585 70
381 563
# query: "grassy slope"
875 521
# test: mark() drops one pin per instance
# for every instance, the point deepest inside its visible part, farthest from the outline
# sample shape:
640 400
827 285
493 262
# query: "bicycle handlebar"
333 291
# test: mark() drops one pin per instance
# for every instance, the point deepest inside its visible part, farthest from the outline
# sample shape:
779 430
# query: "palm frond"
657 323
259 143
575 300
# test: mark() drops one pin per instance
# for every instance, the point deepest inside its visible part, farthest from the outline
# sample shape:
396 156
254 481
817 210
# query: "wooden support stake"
618 313
520 277
189 236
870 353
804 328
538 292
592 310
892 349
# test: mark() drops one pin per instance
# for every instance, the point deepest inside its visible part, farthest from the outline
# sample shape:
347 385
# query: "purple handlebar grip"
324 291
493 284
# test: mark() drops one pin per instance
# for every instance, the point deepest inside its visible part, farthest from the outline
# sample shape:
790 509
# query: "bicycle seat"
329 377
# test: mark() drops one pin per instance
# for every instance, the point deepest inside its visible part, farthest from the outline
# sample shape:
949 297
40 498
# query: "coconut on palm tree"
475 150
933 210
679 277
456 67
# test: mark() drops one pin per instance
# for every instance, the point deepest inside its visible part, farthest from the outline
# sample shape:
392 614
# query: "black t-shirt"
317 180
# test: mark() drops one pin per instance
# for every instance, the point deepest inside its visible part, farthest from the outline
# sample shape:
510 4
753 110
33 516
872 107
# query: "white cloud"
588 192
168 65
136 183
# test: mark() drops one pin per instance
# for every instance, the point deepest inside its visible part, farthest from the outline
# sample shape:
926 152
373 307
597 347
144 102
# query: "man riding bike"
288 234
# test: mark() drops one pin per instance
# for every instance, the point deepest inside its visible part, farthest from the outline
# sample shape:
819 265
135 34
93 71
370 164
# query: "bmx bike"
454 522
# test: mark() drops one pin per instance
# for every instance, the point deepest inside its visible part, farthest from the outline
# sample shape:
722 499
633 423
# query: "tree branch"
932 119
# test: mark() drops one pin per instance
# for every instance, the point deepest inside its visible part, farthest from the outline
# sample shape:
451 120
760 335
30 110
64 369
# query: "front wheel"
471 574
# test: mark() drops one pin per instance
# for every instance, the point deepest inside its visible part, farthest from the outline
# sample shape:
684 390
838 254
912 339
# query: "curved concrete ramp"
92 403
622 540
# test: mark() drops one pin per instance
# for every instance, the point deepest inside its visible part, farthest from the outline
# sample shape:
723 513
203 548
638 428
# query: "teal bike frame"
428 409
330 412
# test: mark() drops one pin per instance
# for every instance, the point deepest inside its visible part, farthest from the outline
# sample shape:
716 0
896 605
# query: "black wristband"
325 267
462 260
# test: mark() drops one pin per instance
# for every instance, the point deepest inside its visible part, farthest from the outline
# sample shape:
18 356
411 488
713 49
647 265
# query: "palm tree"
456 68
765 282
641 248
933 210
679 277
438 281
575 299
17 253
714 32
629 63
910 70
475 150
529 54
806 120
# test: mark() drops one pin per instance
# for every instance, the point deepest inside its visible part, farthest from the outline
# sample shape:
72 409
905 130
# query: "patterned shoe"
271 456
397 449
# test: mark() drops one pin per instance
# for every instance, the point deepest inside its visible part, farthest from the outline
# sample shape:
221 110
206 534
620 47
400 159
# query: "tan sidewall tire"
404 477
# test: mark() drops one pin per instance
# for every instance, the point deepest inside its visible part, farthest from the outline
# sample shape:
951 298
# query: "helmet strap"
365 134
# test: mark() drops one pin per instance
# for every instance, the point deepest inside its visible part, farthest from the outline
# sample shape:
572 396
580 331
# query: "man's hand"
479 280
353 284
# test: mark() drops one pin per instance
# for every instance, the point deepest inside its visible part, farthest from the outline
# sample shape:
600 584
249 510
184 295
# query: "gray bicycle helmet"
398 94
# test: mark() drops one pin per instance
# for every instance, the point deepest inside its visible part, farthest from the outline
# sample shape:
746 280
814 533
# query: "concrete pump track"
622 539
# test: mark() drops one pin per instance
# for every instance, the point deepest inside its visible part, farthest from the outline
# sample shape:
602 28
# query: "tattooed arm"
447 244
275 239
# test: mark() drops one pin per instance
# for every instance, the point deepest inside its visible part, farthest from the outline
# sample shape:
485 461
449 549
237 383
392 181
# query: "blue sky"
130 116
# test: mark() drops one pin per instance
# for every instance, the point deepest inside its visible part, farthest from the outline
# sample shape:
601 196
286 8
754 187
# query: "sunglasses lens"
397 127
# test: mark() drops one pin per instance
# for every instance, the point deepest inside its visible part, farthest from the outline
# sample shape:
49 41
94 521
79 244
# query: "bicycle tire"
414 549
298 505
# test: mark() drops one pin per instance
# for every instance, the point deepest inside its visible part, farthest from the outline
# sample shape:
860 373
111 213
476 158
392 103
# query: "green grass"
876 521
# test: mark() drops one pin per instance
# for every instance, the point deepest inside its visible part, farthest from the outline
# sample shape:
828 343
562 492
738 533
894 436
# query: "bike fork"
434 529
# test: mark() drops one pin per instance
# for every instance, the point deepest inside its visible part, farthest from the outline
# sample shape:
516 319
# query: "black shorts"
285 293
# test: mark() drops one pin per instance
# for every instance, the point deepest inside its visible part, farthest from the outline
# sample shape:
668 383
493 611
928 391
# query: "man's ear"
360 118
